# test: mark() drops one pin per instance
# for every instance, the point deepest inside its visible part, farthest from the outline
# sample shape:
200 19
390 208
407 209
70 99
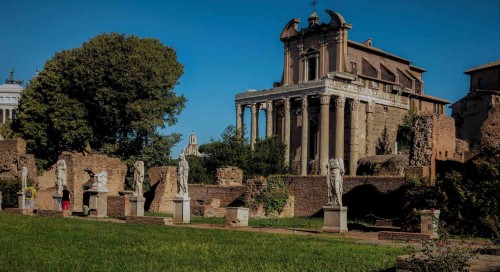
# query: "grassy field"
46 244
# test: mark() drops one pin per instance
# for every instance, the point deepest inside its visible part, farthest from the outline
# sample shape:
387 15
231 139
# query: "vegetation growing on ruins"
233 149
105 246
112 93
383 145
274 197
468 200
405 135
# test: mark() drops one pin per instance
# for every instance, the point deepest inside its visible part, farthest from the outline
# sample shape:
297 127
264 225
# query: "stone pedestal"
335 218
429 222
20 200
137 205
237 216
56 202
98 203
182 209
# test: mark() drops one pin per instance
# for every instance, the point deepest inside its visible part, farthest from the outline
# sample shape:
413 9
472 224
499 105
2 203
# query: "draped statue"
335 181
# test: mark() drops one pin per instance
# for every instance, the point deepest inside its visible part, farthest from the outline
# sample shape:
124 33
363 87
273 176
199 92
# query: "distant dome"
192 147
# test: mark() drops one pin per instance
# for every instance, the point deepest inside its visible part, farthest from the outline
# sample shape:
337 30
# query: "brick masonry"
204 194
310 192
52 213
13 158
163 189
118 206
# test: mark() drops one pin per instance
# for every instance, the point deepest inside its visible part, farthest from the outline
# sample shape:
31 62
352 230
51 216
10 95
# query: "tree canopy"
112 93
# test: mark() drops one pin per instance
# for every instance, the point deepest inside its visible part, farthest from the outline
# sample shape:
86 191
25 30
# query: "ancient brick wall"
310 192
229 176
163 189
444 133
76 176
13 158
204 194
118 206
490 130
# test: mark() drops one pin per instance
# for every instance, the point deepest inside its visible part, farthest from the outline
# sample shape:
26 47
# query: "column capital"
253 107
324 99
238 109
305 104
339 102
370 107
287 103
269 105
354 105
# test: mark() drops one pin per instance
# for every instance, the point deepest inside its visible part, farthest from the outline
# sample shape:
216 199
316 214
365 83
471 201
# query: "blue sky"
230 46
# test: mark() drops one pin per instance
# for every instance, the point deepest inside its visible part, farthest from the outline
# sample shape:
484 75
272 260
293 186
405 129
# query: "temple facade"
10 93
335 97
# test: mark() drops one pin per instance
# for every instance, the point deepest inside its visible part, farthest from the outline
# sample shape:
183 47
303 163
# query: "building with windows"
335 96
10 93
481 104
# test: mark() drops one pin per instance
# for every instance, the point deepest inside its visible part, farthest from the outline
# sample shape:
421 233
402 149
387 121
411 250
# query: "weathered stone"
237 217
119 206
137 205
13 158
149 220
334 218
182 213
229 176
383 165
164 184
429 222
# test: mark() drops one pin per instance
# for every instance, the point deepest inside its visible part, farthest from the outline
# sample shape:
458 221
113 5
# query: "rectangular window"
311 68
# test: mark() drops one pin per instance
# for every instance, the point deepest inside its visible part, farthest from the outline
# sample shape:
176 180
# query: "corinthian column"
286 133
239 118
353 140
370 108
305 139
324 136
253 133
339 127
269 119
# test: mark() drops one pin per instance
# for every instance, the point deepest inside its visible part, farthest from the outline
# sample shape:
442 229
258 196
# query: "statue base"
20 200
334 218
98 203
137 205
182 210
56 201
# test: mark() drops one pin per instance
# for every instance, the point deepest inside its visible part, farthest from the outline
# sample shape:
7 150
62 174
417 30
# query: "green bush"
9 189
468 200
274 196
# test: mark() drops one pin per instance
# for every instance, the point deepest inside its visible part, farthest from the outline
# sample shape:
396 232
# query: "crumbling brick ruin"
13 158
163 181
229 176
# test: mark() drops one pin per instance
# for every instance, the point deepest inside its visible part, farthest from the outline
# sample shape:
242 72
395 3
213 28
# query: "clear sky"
230 46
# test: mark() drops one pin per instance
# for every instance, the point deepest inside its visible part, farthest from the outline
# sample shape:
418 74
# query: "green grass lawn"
31 243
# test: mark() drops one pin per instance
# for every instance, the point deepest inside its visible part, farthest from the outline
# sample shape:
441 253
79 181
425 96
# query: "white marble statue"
102 180
138 178
24 177
61 176
182 177
335 181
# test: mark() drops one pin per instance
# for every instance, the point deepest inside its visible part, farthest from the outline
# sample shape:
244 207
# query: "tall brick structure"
335 96
13 158
163 182
77 176
476 114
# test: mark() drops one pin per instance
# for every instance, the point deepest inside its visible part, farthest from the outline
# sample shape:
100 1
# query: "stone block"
56 201
335 218
429 222
118 206
137 205
229 176
98 204
237 216
182 210
54 213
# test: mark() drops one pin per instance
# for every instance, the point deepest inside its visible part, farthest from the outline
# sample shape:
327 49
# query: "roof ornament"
314 3
314 18
11 78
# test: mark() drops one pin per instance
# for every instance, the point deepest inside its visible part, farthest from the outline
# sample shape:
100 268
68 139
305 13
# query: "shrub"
9 189
275 196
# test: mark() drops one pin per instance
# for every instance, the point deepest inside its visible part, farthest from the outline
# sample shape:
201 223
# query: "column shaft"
353 141
253 133
339 127
324 136
239 118
305 137
287 132
370 148
269 119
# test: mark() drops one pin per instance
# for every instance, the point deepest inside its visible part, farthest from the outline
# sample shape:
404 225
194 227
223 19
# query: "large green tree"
112 93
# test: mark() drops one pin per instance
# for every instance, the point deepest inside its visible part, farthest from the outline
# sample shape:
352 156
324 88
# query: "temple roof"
484 66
